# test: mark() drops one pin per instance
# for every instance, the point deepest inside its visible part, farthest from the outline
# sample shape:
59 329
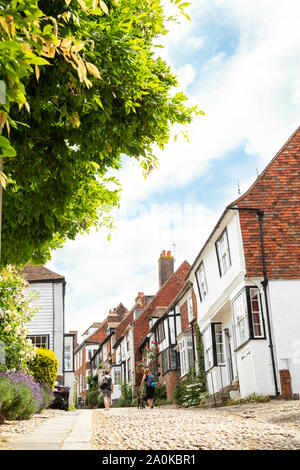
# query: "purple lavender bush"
21 395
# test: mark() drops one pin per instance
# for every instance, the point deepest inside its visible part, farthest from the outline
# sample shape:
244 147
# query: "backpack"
106 383
150 380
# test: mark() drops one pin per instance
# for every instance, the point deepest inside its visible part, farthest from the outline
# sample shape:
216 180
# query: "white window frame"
40 344
223 252
208 348
117 376
186 355
240 318
104 352
258 312
201 281
219 343
190 308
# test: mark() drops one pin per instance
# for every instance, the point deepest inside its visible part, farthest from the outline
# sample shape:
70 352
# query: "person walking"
148 380
107 387
79 401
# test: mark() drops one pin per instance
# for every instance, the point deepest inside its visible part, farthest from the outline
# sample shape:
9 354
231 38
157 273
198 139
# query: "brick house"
92 337
104 356
247 283
174 331
124 344
159 311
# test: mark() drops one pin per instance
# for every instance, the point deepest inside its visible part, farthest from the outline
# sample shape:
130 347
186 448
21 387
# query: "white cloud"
251 98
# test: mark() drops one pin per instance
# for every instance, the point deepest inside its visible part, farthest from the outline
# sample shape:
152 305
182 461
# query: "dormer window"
223 253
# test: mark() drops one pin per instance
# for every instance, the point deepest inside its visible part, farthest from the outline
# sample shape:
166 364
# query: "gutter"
260 214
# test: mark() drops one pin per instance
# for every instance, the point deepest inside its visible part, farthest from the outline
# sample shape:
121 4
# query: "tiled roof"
123 325
39 273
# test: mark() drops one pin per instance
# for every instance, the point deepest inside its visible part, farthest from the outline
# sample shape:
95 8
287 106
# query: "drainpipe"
260 214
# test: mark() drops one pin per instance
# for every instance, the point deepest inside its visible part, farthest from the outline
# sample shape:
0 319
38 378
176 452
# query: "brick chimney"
165 267
139 296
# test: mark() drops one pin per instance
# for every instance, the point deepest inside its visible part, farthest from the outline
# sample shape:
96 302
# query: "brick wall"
184 316
277 193
286 384
163 298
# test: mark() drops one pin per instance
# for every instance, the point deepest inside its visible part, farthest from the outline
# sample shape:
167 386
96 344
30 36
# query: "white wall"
50 318
59 324
42 322
69 382
255 368
285 313
217 286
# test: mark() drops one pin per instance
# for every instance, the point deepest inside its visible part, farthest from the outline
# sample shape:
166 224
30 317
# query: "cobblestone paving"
194 429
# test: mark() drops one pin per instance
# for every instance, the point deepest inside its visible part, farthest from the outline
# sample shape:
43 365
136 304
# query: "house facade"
158 323
83 353
47 326
105 355
173 332
247 285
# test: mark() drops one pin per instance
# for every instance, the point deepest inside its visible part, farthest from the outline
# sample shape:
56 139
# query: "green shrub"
252 398
160 392
91 399
92 382
16 401
160 402
21 395
6 398
47 395
44 366
190 392
124 403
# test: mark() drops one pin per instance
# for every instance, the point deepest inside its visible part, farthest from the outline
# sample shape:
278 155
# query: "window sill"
248 341
170 370
186 373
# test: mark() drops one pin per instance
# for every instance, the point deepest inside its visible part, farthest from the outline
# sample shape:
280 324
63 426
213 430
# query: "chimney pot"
163 253
169 253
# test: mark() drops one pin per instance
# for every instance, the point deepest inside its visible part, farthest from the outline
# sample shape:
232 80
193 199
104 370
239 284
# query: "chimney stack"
140 295
165 267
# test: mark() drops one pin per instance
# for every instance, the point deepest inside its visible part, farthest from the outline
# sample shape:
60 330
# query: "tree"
87 111
16 309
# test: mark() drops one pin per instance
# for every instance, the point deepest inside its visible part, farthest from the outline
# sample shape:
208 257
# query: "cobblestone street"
243 427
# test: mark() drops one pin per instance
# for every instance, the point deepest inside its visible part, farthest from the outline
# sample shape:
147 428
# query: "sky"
239 61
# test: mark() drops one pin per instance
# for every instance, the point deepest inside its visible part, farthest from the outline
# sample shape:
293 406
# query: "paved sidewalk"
69 431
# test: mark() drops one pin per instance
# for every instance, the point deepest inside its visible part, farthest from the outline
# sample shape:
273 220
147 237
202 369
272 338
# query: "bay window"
169 360
256 313
186 355
247 316
213 347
